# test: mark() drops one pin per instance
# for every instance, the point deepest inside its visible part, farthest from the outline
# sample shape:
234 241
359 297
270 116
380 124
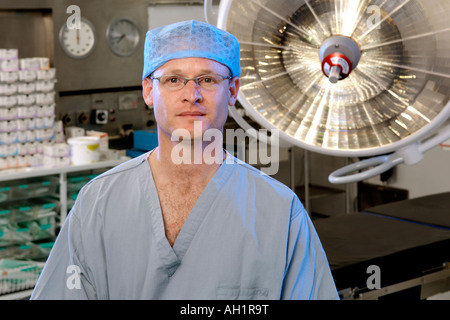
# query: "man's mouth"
191 114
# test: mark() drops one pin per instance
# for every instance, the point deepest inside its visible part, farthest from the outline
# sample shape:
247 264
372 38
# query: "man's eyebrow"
173 71
180 71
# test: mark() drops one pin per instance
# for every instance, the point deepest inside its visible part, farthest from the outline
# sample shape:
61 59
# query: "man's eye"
173 80
208 80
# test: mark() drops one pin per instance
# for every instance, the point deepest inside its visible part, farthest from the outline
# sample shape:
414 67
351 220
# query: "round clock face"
78 42
123 36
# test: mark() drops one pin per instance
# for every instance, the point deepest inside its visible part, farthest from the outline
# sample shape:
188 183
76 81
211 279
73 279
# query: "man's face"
179 109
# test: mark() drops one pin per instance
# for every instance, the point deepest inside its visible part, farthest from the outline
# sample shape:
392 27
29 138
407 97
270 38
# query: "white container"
8 89
45 98
26 99
9 77
26 87
84 150
9 65
56 162
45 86
57 150
104 140
46 74
73 131
9 54
8 101
27 75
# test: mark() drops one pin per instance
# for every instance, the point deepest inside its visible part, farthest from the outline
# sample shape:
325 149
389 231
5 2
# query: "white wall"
162 14
430 176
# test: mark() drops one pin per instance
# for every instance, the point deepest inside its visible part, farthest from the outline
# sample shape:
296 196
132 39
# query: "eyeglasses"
175 82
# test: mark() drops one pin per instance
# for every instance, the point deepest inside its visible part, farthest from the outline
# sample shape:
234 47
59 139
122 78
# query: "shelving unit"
11 180
25 173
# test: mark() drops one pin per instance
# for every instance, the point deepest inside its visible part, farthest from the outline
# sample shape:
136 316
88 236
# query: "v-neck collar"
172 255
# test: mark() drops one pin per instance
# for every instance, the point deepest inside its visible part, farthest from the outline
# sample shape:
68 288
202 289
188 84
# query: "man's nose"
192 92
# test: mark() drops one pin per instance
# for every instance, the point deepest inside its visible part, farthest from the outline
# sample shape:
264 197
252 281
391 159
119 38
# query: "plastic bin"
27 251
16 252
17 275
145 140
18 190
26 210
5 217
26 231
71 198
75 183
41 250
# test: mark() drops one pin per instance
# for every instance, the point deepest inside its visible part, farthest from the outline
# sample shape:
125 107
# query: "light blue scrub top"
247 237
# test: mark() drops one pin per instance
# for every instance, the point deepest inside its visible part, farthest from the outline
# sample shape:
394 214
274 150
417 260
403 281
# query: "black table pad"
352 238
401 249
433 210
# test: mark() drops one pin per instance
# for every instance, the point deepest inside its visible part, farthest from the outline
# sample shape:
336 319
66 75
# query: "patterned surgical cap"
190 39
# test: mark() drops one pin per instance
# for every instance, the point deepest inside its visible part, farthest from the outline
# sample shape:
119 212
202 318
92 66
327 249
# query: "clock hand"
121 37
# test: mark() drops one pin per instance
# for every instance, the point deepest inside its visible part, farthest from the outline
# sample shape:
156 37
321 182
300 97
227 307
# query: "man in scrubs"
172 225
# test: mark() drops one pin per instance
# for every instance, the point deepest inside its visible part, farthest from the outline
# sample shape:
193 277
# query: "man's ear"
235 84
147 91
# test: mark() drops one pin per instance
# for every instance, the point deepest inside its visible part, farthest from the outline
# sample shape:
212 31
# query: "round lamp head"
343 77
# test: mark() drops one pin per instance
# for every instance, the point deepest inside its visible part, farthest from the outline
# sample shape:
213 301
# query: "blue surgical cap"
190 39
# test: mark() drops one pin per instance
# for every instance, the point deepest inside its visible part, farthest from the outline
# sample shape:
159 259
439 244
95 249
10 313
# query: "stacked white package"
56 155
27 109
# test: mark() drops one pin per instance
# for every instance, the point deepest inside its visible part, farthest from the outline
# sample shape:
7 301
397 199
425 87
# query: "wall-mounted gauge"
123 36
79 42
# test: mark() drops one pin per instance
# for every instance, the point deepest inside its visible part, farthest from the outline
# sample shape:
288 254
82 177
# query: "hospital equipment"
345 78
363 78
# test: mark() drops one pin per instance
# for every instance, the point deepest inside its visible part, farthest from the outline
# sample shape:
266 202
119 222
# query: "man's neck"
168 164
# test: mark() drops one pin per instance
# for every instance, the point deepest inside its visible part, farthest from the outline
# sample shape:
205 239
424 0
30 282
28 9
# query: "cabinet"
34 203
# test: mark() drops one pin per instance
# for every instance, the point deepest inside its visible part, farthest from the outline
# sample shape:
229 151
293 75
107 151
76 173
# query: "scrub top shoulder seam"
127 165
